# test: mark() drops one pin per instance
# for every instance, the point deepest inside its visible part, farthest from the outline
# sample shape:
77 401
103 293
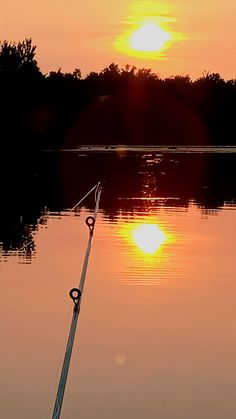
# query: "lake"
156 334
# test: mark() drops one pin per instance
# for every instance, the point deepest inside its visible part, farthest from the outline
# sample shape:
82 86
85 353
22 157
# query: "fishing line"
76 296
24 247
85 196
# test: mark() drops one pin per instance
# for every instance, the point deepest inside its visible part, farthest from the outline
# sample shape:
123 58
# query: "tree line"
114 106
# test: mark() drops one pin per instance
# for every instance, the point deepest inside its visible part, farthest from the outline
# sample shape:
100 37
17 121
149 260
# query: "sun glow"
148 238
146 31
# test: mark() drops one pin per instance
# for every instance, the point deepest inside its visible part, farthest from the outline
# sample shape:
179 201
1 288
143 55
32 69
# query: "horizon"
120 68
197 38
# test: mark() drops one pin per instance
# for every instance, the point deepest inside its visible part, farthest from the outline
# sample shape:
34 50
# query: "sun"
148 238
150 37
147 31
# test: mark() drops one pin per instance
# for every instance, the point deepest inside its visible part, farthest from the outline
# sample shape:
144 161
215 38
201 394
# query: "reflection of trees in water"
209 180
17 236
58 180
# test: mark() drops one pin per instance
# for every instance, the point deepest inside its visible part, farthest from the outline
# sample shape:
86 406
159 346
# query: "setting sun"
148 31
149 37
148 238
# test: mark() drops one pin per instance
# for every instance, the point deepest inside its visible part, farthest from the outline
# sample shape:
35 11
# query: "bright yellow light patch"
148 237
146 31
149 37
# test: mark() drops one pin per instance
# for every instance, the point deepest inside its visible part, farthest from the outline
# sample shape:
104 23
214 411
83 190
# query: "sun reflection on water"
148 238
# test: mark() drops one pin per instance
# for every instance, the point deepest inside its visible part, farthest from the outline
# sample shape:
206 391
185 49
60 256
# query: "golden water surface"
156 335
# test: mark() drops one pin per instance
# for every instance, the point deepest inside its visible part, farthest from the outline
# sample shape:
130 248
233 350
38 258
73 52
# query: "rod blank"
76 295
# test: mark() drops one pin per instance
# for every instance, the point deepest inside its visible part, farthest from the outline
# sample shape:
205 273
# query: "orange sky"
72 33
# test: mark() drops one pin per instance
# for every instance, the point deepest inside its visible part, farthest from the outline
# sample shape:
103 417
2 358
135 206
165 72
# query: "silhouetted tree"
116 104
18 58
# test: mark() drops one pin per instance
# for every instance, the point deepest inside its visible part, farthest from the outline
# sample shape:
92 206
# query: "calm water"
157 330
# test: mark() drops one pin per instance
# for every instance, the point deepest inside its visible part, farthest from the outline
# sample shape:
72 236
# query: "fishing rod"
76 296
24 247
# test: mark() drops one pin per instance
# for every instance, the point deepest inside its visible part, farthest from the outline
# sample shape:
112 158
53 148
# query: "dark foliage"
114 106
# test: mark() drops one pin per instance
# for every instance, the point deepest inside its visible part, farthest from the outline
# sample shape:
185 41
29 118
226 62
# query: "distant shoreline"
148 148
